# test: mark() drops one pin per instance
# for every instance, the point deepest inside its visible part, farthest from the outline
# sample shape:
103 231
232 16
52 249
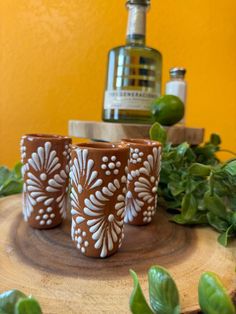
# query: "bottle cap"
177 72
139 2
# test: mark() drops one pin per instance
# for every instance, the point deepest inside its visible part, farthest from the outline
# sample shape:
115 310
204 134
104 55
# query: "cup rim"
101 146
45 136
141 142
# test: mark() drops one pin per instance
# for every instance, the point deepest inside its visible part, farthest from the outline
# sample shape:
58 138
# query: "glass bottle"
134 72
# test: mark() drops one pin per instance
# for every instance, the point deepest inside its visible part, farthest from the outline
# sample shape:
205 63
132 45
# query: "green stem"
211 182
227 151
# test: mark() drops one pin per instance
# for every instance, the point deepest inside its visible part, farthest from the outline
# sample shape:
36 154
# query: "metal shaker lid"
139 2
178 72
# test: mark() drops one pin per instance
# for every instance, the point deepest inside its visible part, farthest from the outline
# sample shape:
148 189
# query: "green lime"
167 110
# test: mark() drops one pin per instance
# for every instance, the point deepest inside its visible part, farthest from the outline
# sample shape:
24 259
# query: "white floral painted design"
22 150
149 213
45 161
152 164
24 169
111 165
62 201
45 216
66 152
133 207
76 211
145 180
28 203
81 238
35 188
106 227
39 166
58 182
81 174
146 187
135 155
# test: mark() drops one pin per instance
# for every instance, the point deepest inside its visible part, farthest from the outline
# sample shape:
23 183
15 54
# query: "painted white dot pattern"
82 244
148 214
136 155
45 216
110 165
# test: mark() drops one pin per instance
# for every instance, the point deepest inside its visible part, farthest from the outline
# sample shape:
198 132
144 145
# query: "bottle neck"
136 30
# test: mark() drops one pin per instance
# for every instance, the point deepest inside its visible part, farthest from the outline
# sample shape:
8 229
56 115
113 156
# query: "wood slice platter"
105 131
46 264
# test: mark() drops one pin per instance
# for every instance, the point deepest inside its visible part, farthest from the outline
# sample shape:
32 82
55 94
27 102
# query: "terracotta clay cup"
98 179
45 172
143 178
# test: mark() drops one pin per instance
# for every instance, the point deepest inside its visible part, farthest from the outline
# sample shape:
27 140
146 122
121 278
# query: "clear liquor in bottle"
134 72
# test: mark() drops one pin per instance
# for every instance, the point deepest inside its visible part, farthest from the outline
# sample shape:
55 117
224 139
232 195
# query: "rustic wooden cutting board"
46 264
105 131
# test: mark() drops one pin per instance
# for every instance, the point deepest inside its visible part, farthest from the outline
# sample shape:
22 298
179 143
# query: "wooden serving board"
46 264
105 131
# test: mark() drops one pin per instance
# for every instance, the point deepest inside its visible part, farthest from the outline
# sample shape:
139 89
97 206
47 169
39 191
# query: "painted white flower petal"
104 249
95 200
79 219
96 184
89 212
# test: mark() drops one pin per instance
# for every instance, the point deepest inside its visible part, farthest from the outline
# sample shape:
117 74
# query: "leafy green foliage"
138 303
8 300
16 302
163 293
164 296
28 306
158 132
194 182
11 181
213 297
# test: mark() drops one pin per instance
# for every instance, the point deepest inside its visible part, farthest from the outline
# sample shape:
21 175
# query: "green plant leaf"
158 133
199 219
189 206
213 297
215 205
231 168
164 296
138 303
176 188
200 170
224 237
8 300
215 139
11 187
233 219
216 222
17 170
27 306
4 175
182 149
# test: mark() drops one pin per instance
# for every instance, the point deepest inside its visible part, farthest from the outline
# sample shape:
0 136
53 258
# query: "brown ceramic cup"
45 170
143 178
98 177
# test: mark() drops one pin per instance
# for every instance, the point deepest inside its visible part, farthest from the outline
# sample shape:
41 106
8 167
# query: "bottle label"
129 100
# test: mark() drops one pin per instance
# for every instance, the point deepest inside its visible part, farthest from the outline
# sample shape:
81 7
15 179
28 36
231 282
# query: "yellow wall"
53 62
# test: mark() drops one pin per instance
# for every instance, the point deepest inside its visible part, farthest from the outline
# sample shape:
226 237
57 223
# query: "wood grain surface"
45 263
116 131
